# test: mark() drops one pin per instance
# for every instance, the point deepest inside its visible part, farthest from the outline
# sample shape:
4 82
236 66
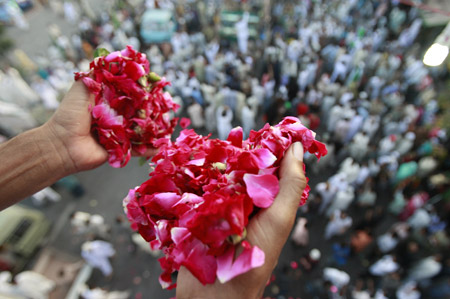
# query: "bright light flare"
435 55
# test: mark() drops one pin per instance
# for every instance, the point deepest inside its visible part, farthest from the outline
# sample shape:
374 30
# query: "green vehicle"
157 26
229 18
23 231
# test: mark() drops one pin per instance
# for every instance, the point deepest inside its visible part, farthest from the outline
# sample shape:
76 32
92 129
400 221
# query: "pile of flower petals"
131 111
202 192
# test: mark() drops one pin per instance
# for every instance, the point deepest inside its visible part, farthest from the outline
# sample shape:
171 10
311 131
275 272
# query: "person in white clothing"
351 169
363 175
195 112
98 293
242 32
248 119
342 200
355 125
371 125
387 242
408 291
384 266
39 198
339 181
425 268
7 286
97 253
34 285
327 192
337 277
224 117
420 219
300 233
341 130
210 117
338 224
211 51
387 144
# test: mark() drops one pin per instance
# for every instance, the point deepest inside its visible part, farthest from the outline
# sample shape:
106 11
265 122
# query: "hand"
269 230
70 128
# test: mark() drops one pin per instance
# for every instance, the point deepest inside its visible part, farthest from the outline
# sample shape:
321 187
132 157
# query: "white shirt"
386 242
384 266
337 277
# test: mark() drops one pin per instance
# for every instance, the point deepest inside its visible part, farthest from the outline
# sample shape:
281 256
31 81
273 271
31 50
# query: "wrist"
32 161
53 149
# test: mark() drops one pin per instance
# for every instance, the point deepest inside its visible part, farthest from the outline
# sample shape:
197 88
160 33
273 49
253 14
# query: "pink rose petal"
235 137
262 189
250 258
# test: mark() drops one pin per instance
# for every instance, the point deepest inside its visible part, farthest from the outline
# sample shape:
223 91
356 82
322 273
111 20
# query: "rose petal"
262 189
201 265
185 122
250 258
235 137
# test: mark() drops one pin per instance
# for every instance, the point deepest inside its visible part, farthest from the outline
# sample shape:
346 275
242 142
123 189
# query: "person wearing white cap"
315 254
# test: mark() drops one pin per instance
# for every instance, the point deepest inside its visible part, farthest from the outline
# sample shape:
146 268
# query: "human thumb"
271 227
292 182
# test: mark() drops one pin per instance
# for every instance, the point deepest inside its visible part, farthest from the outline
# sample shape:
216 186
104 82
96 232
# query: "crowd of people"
376 223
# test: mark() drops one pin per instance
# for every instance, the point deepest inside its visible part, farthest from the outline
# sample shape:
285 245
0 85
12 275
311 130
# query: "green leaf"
100 52
153 77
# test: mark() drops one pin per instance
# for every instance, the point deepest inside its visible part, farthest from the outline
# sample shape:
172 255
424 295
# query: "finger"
270 228
292 183
150 152
78 91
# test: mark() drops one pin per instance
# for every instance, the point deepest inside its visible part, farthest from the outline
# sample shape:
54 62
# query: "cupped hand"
269 230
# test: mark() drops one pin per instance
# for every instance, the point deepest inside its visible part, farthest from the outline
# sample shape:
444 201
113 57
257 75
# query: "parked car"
23 230
157 26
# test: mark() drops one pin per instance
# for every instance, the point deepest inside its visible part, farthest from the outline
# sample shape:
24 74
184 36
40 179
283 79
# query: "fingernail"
298 151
